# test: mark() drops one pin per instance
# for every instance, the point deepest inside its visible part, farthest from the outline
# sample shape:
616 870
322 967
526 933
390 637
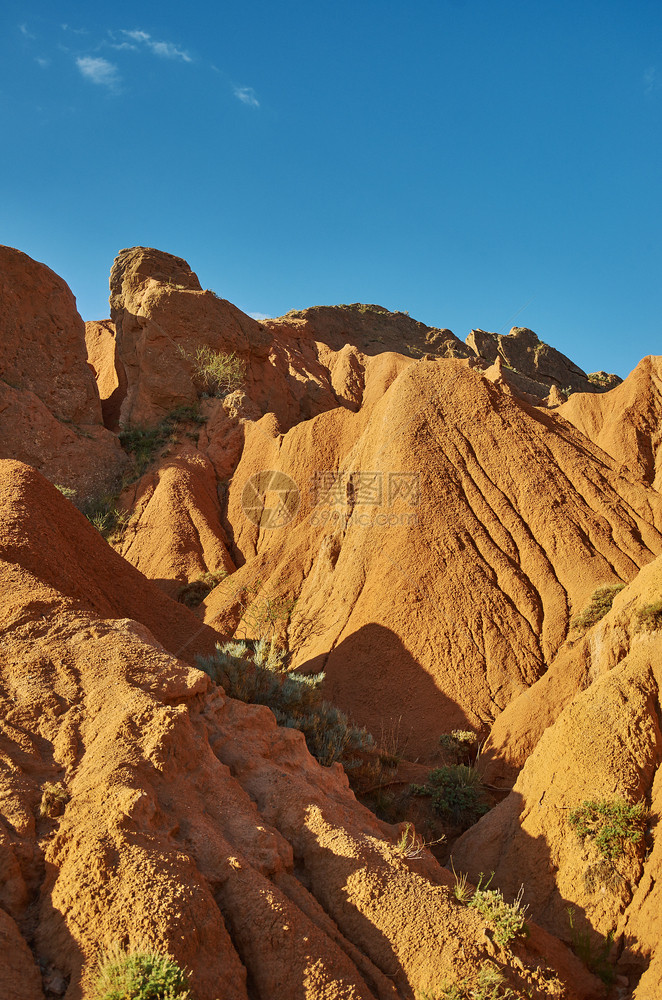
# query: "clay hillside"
330 654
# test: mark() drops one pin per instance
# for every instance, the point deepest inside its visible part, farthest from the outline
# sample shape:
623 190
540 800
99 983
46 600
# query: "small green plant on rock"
601 602
109 519
610 825
508 918
459 746
456 792
139 975
66 491
410 845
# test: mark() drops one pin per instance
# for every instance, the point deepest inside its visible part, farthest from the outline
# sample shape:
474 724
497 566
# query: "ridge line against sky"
473 164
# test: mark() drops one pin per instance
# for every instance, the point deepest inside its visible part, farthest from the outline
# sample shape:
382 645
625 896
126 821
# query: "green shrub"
601 602
139 975
456 792
217 373
650 617
193 594
508 918
258 677
611 825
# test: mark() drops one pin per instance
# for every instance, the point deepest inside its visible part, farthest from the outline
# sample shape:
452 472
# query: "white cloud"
99 71
165 50
44 63
260 316
651 80
247 96
23 28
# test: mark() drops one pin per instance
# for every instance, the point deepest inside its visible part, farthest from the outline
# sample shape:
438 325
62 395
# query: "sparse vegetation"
601 602
259 677
456 792
650 617
486 984
139 975
193 594
610 825
592 949
215 372
459 746
508 918
142 443
392 745
462 890
66 491
410 845
109 519
54 797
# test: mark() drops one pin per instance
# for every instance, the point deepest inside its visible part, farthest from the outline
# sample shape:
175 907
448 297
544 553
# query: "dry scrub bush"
259 677
216 373
601 602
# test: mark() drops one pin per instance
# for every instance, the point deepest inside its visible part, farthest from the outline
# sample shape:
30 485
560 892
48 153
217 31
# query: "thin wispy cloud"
99 71
165 50
44 63
260 316
652 81
23 28
247 96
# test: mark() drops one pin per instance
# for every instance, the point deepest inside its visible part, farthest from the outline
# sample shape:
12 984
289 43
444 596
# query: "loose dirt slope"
188 821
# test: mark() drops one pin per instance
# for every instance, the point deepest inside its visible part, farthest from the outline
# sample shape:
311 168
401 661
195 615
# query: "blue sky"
478 163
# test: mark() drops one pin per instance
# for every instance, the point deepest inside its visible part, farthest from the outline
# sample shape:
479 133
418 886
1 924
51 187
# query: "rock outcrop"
50 412
533 366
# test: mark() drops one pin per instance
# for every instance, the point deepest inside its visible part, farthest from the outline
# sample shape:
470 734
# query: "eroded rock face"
626 422
600 742
191 822
50 412
452 598
102 354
